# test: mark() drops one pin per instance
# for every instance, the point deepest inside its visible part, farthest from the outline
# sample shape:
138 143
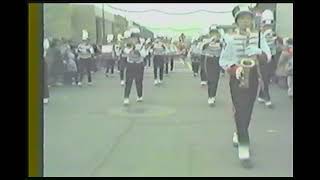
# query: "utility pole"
103 27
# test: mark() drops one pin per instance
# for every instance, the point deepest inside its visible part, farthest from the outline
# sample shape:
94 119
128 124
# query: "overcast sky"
196 22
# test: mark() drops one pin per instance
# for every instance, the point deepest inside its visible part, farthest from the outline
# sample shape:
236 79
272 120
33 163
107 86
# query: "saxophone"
247 64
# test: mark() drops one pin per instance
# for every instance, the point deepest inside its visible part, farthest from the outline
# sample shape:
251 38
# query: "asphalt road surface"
173 132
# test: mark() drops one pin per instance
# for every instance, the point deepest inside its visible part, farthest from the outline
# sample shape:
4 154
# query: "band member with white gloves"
108 54
135 66
85 53
117 50
159 50
123 57
267 69
167 56
244 84
212 51
203 75
194 55
146 49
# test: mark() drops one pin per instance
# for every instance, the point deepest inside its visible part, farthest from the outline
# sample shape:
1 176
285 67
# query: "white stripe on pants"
290 85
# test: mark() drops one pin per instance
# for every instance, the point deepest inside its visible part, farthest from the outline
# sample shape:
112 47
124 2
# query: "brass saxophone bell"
247 64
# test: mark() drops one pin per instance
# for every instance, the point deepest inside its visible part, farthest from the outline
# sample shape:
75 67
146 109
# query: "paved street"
88 132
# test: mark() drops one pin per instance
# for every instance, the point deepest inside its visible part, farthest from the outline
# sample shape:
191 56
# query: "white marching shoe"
235 139
126 101
139 99
203 83
160 82
211 101
45 100
122 83
79 83
260 100
90 83
157 81
244 155
268 104
59 84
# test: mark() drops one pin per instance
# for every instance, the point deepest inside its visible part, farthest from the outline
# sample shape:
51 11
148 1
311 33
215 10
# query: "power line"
169 13
174 29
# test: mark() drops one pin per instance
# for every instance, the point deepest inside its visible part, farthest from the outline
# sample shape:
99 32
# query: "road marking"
272 131
189 65
181 61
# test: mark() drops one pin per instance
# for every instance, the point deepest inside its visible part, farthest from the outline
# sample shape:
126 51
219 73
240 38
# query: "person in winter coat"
55 63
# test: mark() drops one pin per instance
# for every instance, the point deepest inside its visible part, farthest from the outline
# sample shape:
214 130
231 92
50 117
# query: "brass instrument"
247 64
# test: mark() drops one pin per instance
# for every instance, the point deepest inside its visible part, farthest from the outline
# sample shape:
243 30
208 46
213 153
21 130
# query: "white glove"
189 55
239 72
127 50
253 50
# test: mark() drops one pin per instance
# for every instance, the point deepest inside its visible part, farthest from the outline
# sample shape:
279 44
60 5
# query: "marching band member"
85 53
212 51
194 55
173 50
145 49
203 76
150 51
158 60
108 54
244 79
182 47
167 55
269 68
135 66
118 50
123 57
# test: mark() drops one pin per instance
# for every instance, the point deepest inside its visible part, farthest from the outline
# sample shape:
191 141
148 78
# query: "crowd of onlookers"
283 70
62 63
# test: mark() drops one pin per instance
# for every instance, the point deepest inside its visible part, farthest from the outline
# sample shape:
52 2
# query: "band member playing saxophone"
239 58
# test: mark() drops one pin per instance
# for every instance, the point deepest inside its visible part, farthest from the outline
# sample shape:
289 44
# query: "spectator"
45 73
290 77
279 48
70 67
284 58
55 64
